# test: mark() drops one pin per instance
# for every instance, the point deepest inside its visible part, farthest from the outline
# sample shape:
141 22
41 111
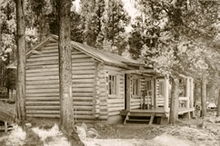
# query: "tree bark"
174 101
21 62
65 73
203 98
0 35
218 106
197 99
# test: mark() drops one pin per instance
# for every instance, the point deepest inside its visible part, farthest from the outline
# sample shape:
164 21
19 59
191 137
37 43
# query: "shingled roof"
101 55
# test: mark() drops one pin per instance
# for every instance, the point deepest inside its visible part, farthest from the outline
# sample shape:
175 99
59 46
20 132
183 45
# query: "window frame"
116 84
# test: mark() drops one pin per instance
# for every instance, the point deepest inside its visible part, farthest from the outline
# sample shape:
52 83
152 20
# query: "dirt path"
205 132
162 140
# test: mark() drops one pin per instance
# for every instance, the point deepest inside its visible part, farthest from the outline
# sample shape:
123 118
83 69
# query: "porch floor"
149 115
156 111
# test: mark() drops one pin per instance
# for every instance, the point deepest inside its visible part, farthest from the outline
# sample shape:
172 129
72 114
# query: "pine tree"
21 62
174 37
104 21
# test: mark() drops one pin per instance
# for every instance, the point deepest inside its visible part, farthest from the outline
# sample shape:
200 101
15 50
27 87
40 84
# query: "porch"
153 106
150 116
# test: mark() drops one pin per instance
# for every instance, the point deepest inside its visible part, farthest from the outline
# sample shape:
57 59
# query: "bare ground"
194 132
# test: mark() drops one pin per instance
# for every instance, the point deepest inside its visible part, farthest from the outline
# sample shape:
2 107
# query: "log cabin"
105 86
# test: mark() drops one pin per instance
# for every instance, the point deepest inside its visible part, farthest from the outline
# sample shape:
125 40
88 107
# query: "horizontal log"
42 78
82 68
76 80
82 98
114 113
84 117
28 98
28 67
83 72
83 76
83 85
42 112
42 86
136 97
43 82
83 108
82 103
82 90
135 103
115 101
45 58
48 62
43 55
116 105
83 112
83 64
42 103
28 107
115 109
38 70
82 60
42 95
43 115
135 107
42 90
82 94
40 74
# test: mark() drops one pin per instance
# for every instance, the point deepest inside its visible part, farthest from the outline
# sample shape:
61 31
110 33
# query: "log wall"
91 100
84 87
116 104
42 83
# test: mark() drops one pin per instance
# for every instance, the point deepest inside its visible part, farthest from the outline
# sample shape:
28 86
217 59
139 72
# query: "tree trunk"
21 62
218 106
65 73
197 100
174 101
0 35
203 92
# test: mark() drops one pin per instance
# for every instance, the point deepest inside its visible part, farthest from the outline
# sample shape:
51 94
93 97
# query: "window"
136 87
112 90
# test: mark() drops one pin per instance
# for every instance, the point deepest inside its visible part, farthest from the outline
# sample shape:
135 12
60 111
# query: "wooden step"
139 115
138 120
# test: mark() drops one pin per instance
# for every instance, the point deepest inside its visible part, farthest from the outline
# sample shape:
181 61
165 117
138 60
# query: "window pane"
112 84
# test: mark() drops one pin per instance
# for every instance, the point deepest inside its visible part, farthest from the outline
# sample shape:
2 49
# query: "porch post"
152 91
187 92
166 94
191 93
155 92
128 92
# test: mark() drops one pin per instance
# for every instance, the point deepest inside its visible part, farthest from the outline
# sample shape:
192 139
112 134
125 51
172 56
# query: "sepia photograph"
109 72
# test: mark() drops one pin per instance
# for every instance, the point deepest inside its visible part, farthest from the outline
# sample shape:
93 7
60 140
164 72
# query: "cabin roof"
100 55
